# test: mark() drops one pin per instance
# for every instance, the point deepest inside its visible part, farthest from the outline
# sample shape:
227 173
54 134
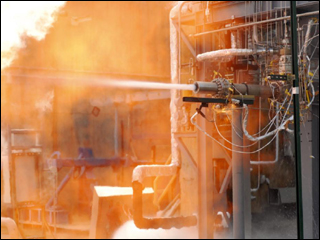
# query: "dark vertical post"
296 104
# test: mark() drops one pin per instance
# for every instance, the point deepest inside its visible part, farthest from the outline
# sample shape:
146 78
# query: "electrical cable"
312 88
236 151
282 125
215 124
239 135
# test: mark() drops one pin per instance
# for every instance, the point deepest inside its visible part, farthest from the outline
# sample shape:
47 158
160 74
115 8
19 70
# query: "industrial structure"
239 157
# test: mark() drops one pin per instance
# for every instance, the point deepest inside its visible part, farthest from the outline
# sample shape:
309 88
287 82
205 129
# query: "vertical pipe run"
205 182
205 163
237 180
296 112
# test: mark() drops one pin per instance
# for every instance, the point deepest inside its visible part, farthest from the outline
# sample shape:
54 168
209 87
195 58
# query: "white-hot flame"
24 18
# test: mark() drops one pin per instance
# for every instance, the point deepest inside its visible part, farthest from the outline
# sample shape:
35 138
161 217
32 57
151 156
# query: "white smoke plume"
129 231
24 18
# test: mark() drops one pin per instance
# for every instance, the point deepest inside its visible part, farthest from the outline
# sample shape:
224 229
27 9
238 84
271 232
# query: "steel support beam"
185 152
185 39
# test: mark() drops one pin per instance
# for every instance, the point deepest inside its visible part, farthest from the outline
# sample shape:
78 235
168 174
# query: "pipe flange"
223 86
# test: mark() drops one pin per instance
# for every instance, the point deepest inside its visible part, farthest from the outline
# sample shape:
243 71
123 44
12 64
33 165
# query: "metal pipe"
254 23
174 106
205 180
259 153
12 227
237 180
239 88
206 87
276 158
60 188
296 113
204 151
141 172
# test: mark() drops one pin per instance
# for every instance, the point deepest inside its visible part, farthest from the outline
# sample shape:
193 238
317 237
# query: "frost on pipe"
146 171
227 54
154 223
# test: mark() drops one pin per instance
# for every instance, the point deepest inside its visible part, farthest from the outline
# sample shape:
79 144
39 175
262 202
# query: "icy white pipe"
305 46
226 54
144 171
141 172
175 99
254 139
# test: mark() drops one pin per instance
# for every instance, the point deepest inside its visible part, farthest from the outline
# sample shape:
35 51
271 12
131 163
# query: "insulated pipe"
218 55
239 88
144 171
174 60
141 172
11 225
149 223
